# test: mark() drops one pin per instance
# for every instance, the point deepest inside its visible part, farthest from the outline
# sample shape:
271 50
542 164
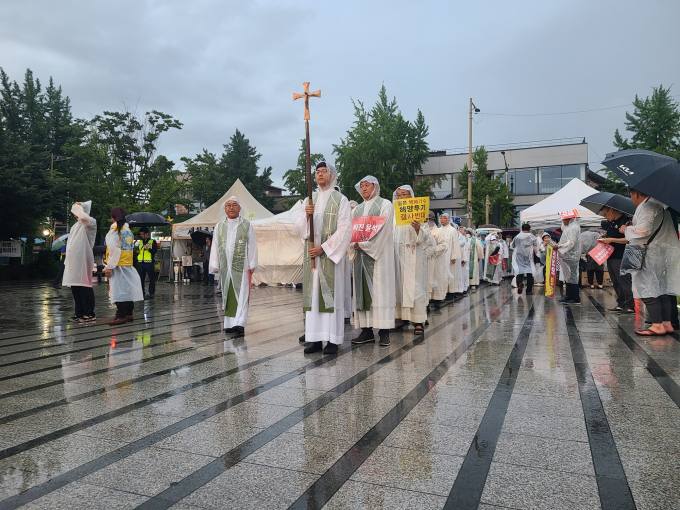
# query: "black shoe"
330 348
238 330
384 338
301 339
563 300
311 347
365 337
627 311
228 330
615 309
573 302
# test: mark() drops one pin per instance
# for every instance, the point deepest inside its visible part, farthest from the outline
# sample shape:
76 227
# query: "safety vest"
144 250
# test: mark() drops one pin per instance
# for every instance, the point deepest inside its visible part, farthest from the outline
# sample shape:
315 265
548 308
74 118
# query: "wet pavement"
508 402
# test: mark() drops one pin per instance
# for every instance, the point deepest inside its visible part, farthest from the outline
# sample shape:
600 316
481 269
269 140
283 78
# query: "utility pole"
487 206
473 109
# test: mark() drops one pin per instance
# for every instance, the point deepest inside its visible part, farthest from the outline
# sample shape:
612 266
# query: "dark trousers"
208 279
124 309
660 309
623 285
83 298
530 281
595 274
146 268
573 292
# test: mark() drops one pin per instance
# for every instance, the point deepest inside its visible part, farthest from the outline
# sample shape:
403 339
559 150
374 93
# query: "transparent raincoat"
661 271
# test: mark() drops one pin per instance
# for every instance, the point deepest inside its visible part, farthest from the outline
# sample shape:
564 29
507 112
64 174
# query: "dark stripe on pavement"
662 377
612 484
469 484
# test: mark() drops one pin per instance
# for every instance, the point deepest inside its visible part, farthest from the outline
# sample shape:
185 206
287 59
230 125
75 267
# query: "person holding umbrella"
621 282
657 281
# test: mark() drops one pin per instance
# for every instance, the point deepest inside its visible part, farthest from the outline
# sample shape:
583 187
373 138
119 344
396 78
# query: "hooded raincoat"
79 259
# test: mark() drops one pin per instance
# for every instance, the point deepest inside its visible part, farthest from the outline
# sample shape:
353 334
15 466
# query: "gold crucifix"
306 94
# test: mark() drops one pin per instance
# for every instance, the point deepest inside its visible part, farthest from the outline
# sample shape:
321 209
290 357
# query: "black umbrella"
199 236
648 172
597 201
145 219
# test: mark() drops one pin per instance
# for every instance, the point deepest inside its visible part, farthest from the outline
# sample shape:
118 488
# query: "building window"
444 188
570 172
551 179
518 210
524 182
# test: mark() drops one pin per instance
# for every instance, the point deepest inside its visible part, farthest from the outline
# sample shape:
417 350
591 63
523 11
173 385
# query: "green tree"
294 178
206 181
485 184
654 125
381 142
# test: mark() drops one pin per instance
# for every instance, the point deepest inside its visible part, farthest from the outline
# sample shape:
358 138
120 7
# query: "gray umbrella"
597 201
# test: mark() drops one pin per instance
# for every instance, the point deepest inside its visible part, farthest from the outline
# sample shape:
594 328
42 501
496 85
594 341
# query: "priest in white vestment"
233 258
465 258
449 234
373 264
412 243
476 258
438 266
324 274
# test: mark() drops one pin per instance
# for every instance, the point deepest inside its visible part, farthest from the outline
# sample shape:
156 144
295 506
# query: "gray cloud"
218 66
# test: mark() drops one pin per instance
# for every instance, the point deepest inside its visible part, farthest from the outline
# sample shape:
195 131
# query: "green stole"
473 256
324 265
231 281
363 263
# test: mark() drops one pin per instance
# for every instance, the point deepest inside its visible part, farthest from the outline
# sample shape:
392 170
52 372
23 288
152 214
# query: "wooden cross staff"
306 94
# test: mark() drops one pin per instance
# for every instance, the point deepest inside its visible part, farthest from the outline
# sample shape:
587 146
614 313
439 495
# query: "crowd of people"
393 277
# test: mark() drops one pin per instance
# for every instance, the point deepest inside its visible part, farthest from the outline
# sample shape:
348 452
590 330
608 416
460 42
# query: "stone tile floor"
508 402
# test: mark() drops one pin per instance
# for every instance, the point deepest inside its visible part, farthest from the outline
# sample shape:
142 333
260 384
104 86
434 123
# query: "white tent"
546 213
279 249
251 209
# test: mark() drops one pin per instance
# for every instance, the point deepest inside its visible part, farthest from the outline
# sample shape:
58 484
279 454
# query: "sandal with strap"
649 332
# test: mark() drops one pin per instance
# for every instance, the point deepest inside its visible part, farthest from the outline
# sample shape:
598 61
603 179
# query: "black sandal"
418 330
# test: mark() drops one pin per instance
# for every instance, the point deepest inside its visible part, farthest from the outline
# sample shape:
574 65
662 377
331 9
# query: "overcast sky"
220 65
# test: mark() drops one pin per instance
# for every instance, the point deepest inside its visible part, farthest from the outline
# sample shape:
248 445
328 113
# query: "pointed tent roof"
251 209
546 213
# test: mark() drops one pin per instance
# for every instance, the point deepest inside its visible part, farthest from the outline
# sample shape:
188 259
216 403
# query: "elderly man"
233 258
569 249
412 244
79 260
524 248
449 235
324 278
657 282
373 264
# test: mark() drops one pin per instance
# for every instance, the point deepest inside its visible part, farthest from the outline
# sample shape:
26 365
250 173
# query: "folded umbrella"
597 201
59 242
145 219
648 172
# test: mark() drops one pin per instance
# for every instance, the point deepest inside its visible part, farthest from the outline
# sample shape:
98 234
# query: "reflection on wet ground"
508 402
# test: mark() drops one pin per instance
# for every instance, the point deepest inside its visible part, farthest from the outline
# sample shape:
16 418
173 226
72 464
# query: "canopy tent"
546 213
279 249
251 209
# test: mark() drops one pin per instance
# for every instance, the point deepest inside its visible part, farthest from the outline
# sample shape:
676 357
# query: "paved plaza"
508 402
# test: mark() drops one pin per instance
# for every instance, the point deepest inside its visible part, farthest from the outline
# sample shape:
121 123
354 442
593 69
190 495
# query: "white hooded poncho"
79 259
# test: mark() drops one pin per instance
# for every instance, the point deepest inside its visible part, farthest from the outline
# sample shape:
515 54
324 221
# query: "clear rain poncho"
79 259
524 247
660 274
569 249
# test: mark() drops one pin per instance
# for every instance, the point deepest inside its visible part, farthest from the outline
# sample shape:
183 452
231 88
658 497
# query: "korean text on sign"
407 210
365 227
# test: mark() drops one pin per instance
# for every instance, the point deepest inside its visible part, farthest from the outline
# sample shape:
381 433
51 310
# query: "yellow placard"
407 210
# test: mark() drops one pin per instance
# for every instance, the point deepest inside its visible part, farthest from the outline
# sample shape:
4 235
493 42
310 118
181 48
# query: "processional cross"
306 94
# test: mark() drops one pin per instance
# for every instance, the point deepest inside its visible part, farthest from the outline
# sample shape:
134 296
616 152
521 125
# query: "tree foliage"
381 142
294 178
485 184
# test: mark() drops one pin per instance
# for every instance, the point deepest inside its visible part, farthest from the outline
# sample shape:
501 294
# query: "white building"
532 173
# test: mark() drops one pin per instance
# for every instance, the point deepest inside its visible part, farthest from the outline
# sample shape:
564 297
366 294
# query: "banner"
601 253
550 271
407 210
365 227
